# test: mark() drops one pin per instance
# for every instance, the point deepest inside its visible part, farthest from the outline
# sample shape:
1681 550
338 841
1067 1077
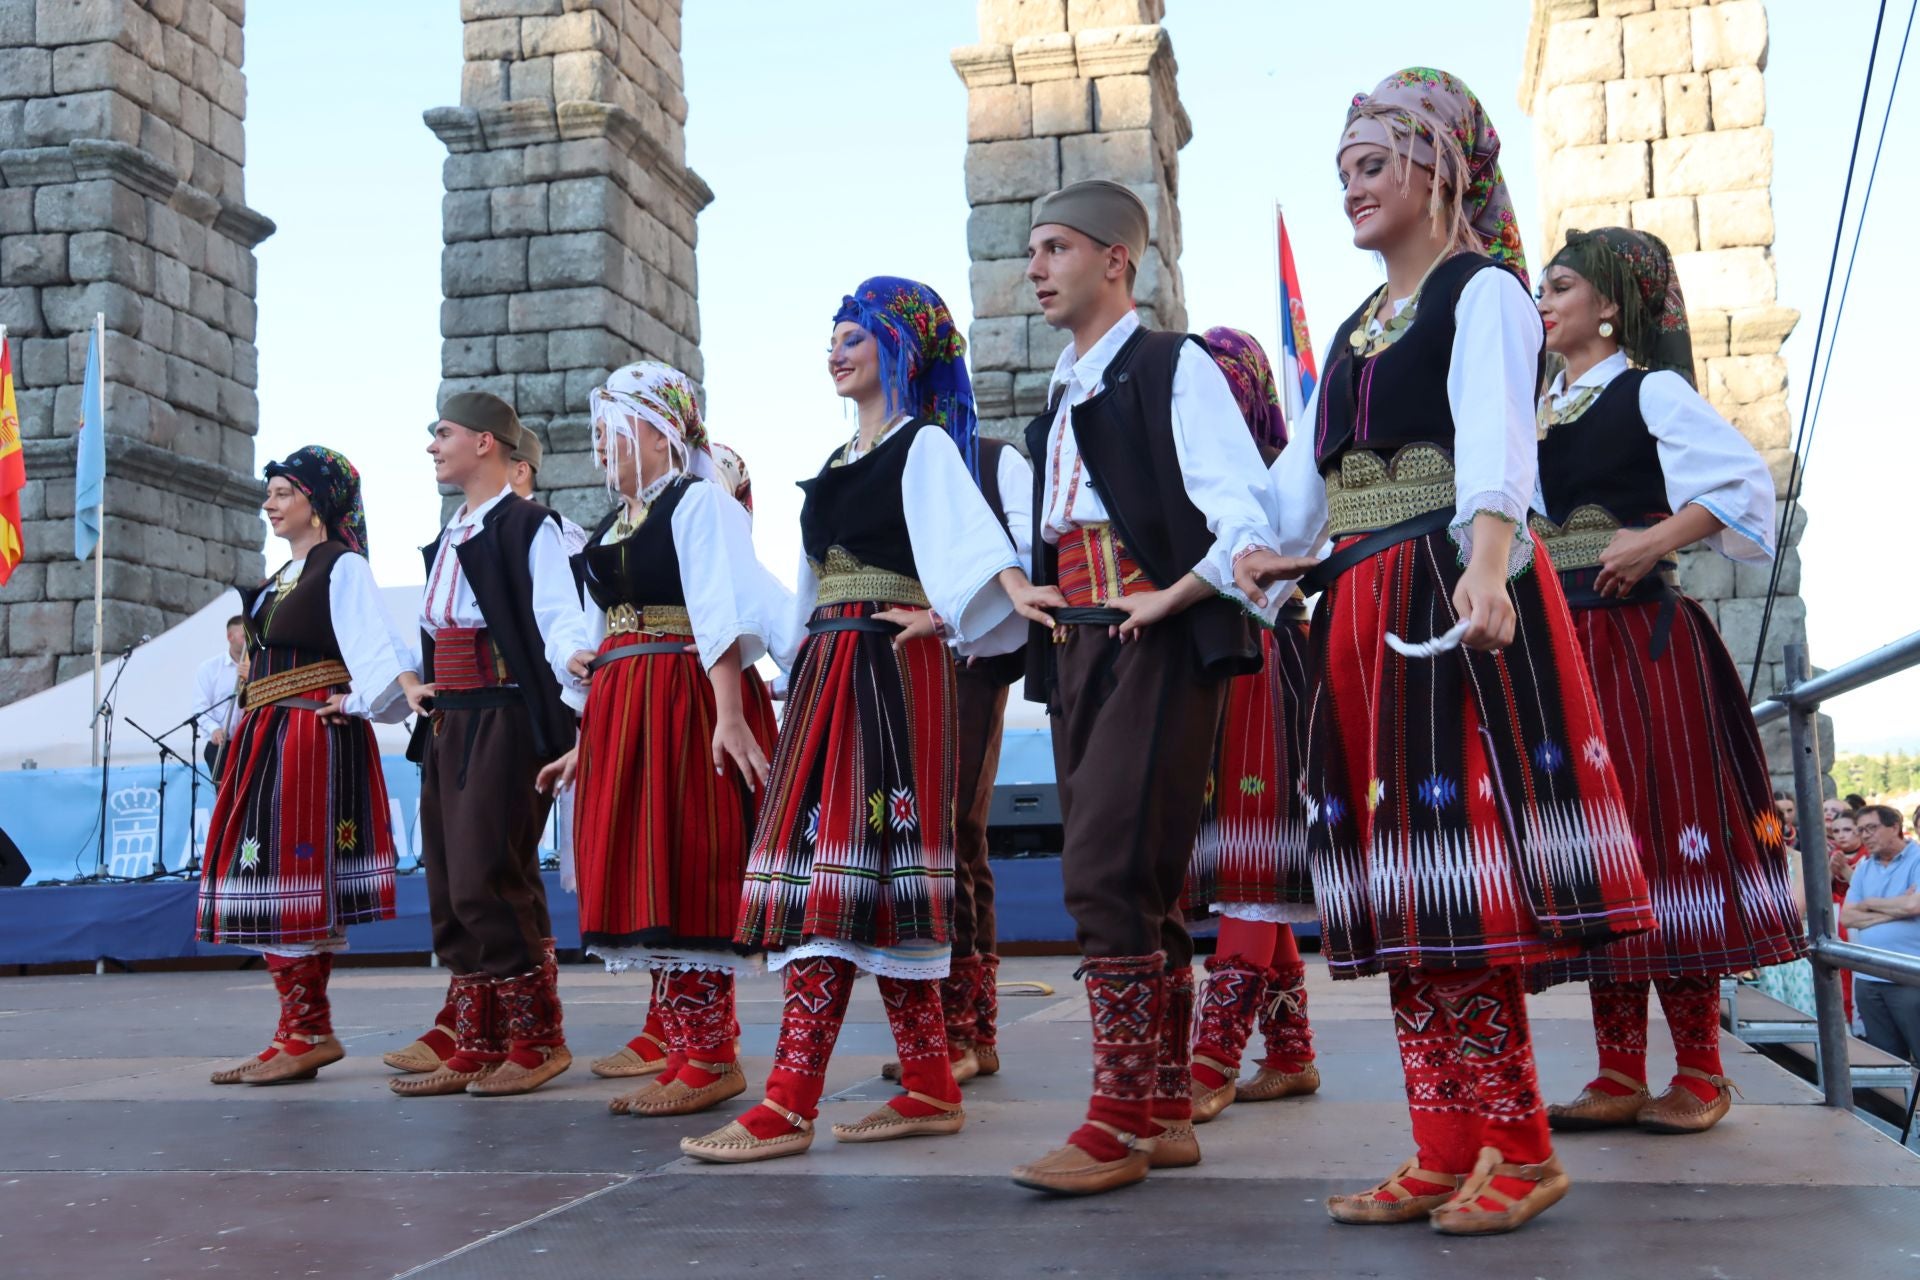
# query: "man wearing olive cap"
1148 492
501 620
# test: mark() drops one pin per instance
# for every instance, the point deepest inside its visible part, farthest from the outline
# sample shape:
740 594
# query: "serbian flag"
1297 372
13 468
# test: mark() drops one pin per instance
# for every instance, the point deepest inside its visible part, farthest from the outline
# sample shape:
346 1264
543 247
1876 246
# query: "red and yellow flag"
13 468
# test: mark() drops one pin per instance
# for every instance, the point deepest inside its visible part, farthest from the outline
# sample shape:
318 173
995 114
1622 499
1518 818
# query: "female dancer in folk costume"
300 846
1250 863
674 740
1635 466
852 862
1467 821
646 1054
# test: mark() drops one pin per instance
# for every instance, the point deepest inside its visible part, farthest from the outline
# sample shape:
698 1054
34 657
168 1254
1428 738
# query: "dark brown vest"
296 630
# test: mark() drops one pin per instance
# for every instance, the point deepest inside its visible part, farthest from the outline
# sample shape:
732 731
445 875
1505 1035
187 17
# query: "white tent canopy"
50 729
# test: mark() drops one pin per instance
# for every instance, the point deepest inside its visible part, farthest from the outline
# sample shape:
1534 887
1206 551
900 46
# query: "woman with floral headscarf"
852 861
1634 467
299 846
1249 865
1467 821
674 740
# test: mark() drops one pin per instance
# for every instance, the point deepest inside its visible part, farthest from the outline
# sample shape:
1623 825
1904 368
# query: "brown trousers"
980 712
480 824
1133 737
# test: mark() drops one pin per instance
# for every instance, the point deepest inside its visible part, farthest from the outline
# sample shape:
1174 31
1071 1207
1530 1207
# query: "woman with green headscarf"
1635 466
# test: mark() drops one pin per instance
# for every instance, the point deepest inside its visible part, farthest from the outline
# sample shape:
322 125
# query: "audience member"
1883 910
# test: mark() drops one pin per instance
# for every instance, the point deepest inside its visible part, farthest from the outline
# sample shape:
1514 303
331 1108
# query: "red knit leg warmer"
477 1036
817 989
960 1004
1488 1012
1440 1099
1229 1001
1619 1031
653 1035
1127 997
699 1003
1283 1018
915 1013
1173 1070
1692 1006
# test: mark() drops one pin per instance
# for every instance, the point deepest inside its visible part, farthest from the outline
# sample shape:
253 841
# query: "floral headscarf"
922 355
1634 270
1250 374
1429 118
332 486
663 398
732 470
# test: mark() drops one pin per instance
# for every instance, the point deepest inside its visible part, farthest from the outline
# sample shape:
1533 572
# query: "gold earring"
1606 328
315 521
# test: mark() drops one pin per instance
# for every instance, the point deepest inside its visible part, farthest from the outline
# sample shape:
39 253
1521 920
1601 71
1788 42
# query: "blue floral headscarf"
923 363
332 486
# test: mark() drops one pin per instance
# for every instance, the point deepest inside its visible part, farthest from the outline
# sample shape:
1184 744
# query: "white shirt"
1491 377
1703 458
730 595
959 549
572 537
1015 475
1219 464
374 649
213 685
449 599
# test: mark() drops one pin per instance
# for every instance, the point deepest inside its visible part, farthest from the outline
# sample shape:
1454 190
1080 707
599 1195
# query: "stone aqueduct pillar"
1652 114
1058 91
568 216
121 150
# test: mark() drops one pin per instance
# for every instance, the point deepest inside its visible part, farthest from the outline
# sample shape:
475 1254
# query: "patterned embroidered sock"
1488 1012
1283 1018
1127 998
920 1035
477 1032
1619 1031
700 1004
1692 1006
306 1015
527 1014
440 1038
986 1002
650 1049
1440 1101
959 1004
817 989
1173 1074
1228 1002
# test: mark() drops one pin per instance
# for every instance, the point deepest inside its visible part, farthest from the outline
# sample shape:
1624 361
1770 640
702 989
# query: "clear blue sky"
833 137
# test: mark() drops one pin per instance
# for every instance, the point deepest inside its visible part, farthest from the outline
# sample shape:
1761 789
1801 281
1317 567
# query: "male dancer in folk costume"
1147 490
646 1053
1250 862
1634 466
970 993
299 846
506 649
852 861
685 609
1452 859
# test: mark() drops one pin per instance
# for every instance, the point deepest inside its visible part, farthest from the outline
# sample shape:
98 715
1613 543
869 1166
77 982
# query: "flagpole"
99 543
1282 321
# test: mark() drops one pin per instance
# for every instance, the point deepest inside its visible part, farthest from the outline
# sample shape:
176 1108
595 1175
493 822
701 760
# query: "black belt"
1096 615
600 660
1328 571
878 626
1577 584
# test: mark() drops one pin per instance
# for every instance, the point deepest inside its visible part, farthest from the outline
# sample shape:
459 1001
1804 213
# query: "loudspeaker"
13 864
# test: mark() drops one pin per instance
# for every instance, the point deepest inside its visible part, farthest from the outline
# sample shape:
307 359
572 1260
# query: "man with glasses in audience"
1883 910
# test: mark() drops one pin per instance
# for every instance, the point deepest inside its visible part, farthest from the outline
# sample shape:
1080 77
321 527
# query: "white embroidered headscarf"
661 397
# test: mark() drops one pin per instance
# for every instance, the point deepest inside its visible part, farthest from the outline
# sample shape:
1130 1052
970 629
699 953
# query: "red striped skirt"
1464 808
1253 831
855 839
660 839
1700 798
300 844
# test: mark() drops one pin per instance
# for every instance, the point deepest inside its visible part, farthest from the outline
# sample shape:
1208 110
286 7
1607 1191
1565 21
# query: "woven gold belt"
1581 541
291 684
655 619
1370 493
845 580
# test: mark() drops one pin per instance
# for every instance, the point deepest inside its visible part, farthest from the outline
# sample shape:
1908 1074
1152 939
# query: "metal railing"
1799 704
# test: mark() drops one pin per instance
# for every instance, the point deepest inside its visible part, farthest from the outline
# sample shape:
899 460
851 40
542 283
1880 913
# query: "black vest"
859 508
1125 435
1399 396
1606 458
297 630
1002 669
494 561
642 568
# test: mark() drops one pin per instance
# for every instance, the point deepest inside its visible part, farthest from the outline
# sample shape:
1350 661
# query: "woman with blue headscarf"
852 860
299 846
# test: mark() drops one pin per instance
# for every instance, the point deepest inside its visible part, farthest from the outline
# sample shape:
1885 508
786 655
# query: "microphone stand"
105 709
193 769
192 722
